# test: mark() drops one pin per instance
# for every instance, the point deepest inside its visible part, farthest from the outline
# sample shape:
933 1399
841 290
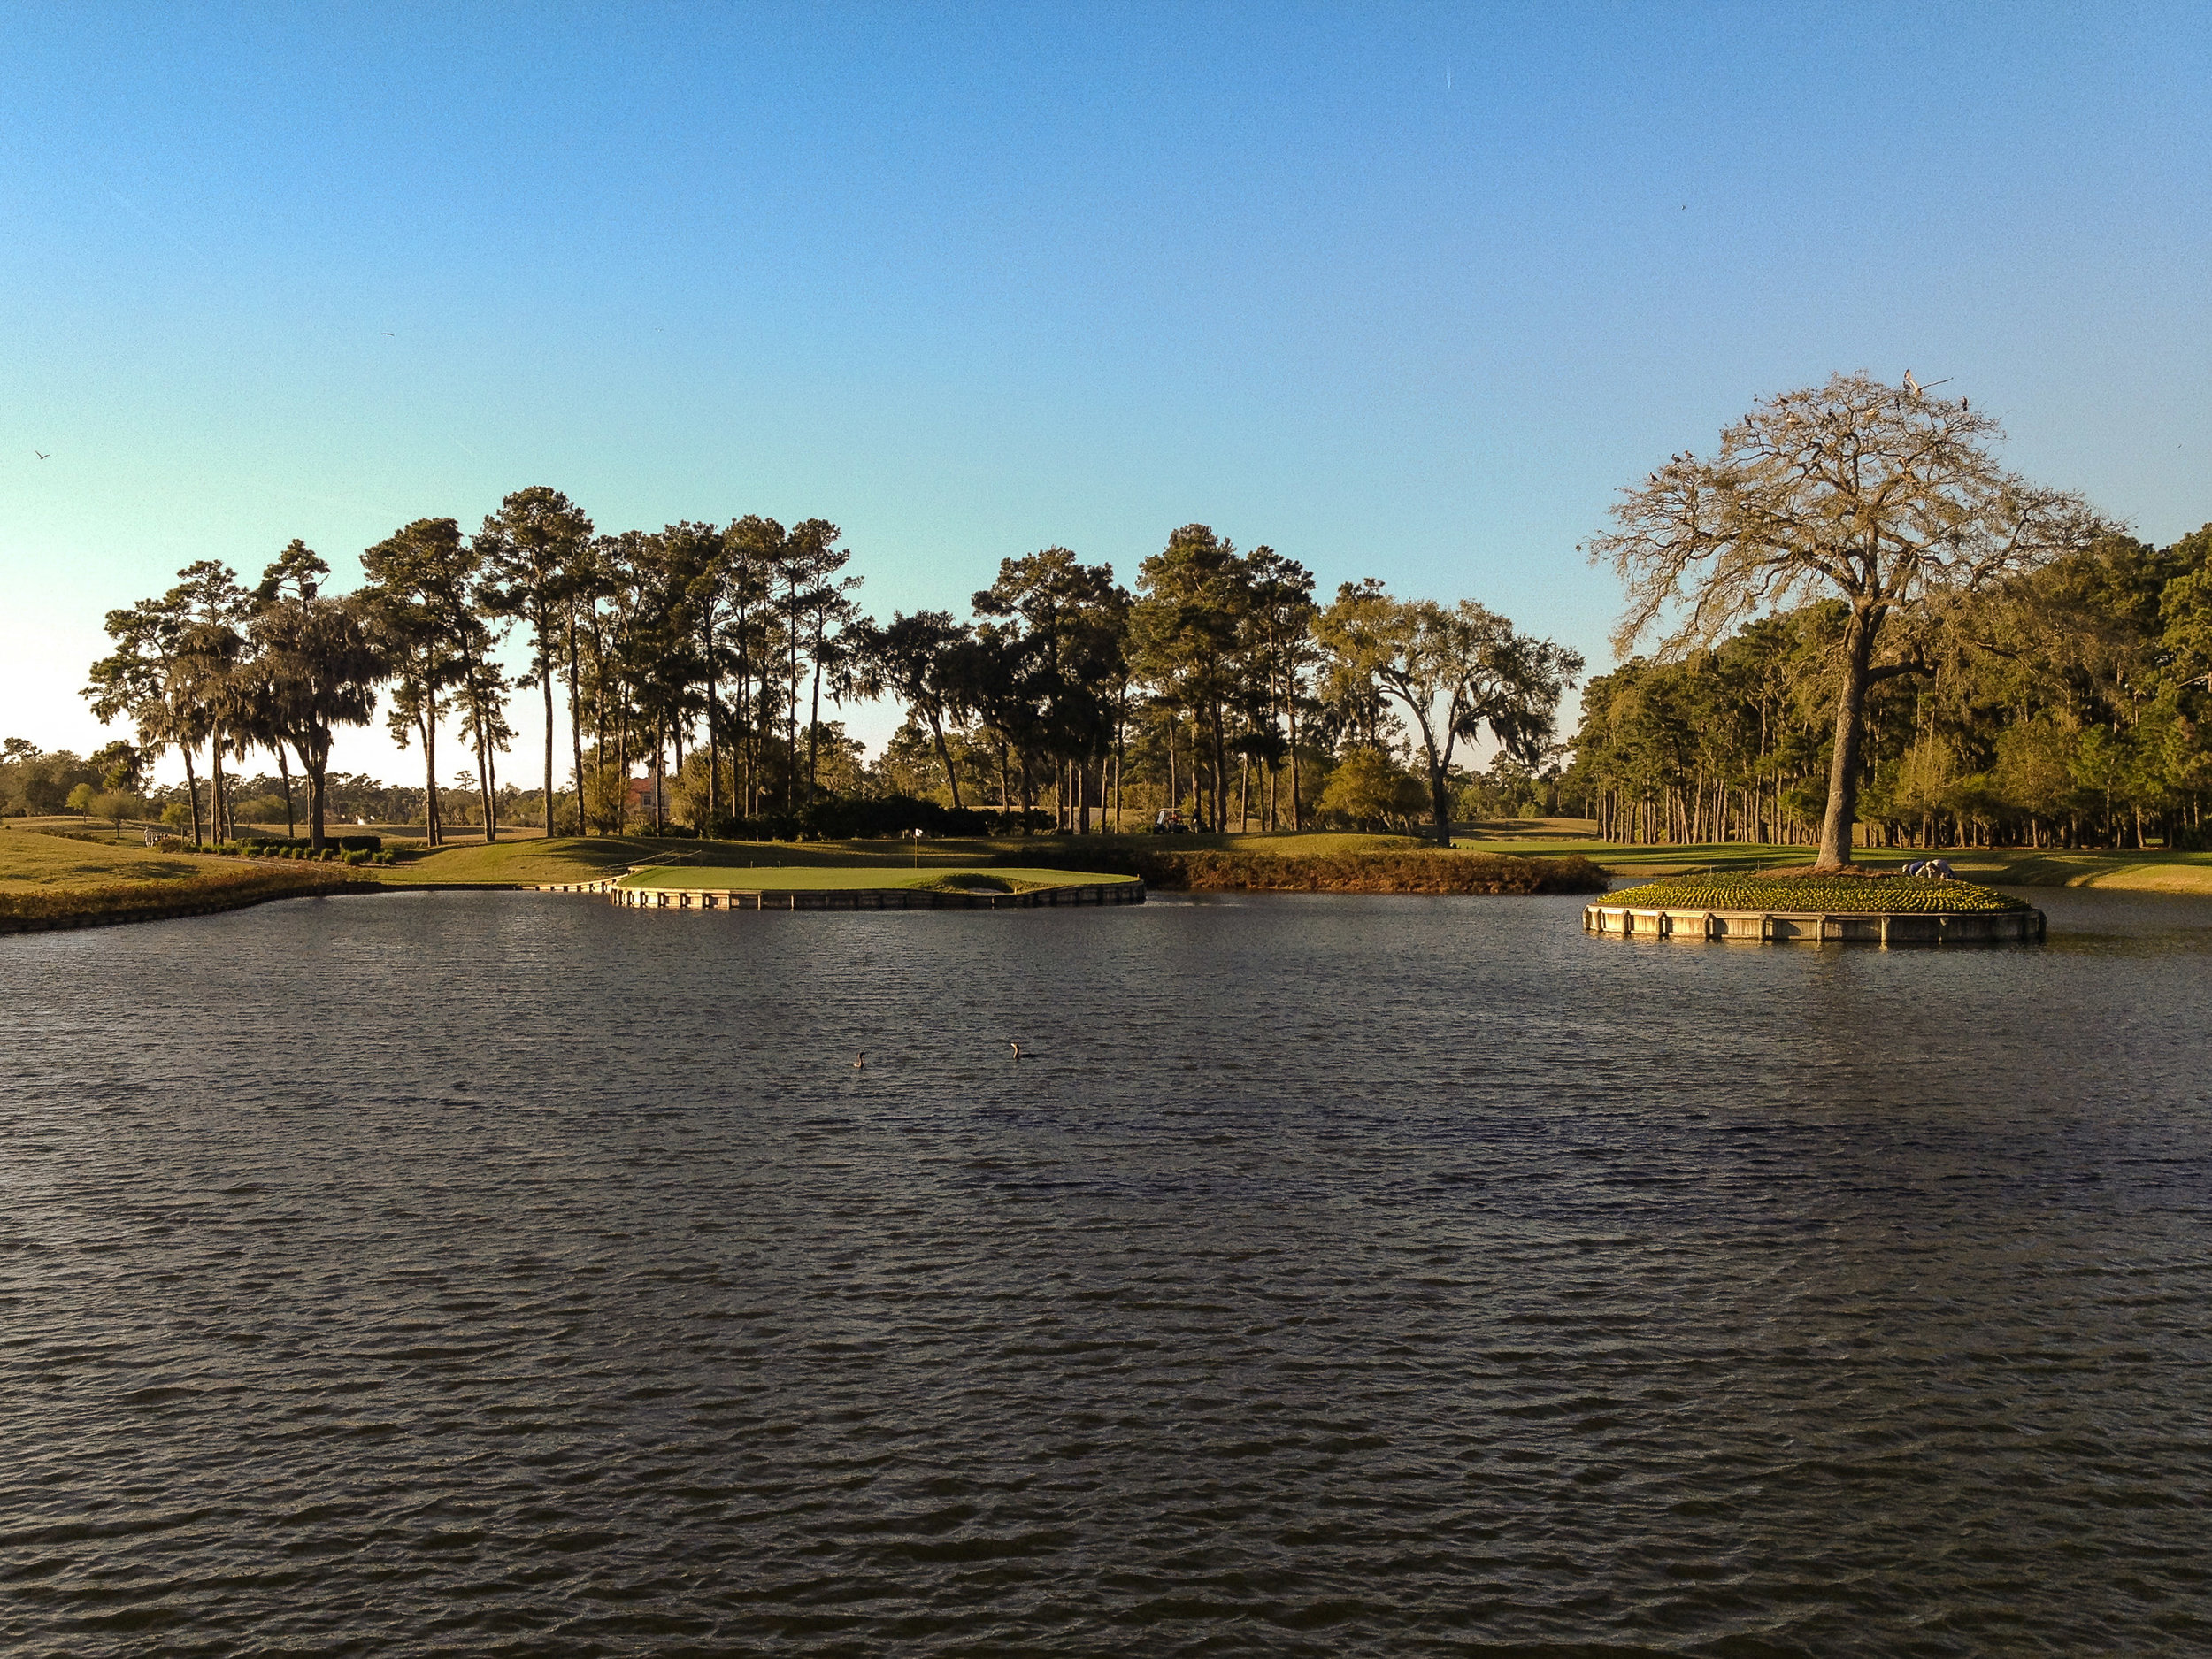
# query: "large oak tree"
1880 496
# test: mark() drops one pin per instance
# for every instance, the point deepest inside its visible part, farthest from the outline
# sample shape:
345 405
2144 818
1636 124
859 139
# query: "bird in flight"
39 453
386 333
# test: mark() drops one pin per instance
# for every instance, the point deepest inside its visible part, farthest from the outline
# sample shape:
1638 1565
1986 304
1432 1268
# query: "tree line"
702 653
1871 631
2063 707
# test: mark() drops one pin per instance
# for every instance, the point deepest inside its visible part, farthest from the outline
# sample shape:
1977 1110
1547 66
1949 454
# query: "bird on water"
860 1062
1017 1048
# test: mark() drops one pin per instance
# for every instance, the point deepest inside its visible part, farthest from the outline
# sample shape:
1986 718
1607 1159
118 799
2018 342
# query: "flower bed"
1833 894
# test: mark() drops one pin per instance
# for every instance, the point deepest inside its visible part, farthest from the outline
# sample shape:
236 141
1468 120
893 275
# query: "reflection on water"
508 1274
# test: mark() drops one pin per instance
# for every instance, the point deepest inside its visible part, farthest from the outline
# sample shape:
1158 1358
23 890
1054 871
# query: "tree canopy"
1882 498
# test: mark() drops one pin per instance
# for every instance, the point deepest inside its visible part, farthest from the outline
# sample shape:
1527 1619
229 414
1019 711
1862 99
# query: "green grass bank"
49 882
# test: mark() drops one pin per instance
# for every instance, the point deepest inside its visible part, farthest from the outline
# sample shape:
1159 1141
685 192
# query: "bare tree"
1879 495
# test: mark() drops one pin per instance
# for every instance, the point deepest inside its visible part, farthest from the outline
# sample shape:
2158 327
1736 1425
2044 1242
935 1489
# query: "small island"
726 888
1817 907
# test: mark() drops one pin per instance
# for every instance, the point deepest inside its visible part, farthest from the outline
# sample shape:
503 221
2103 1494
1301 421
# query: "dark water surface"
491 1273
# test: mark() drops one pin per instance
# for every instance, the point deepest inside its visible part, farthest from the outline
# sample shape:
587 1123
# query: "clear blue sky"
1408 292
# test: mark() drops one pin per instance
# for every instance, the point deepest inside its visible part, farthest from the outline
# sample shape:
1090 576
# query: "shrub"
1412 872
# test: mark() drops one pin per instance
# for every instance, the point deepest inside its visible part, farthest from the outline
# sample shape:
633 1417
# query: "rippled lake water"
493 1273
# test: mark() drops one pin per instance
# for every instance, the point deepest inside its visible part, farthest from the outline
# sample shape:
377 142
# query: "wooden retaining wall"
853 898
1877 927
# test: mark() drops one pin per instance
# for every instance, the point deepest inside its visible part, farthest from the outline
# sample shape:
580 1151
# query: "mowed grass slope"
2155 870
45 878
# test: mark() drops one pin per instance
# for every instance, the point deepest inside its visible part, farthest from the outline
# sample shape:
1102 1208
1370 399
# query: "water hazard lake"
500 1273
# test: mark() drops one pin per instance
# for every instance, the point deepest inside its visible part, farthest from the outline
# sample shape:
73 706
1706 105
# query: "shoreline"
53 883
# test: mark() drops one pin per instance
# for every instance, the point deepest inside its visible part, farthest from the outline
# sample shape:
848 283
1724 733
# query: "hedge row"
300 852
344 843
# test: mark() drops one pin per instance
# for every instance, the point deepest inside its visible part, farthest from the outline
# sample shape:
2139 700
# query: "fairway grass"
2153 872
541 863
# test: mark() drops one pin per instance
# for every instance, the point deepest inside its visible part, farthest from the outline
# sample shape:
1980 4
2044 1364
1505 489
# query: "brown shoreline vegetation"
1201 870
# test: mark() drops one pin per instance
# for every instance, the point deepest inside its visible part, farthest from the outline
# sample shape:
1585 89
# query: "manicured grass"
538 862
1836 893
2153 872
1620 859
44 879
765 877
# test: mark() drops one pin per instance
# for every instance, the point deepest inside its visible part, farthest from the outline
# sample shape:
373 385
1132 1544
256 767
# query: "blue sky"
1408 292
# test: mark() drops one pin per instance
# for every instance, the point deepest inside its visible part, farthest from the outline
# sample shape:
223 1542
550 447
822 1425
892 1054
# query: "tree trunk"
1843 765
545 678
484 775
317 763
1221 772
284 771
191 790
575 729
944 754
215 784
427 723
814 726
714 743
